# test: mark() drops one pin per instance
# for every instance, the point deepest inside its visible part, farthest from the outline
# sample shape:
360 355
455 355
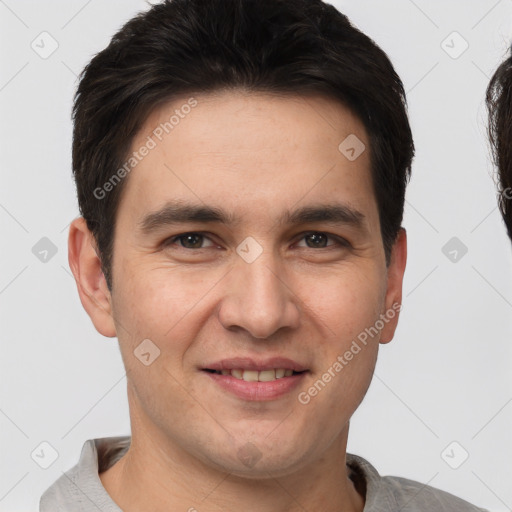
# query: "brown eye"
192 241
189 241
319 240
316 239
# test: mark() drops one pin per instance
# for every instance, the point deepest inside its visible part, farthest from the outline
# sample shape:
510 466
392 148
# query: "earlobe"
92 287
393 302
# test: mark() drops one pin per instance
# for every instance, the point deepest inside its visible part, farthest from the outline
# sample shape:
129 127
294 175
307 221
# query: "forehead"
250 152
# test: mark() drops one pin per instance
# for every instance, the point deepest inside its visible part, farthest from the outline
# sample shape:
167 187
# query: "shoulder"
65 493
415 496
391 493
80 488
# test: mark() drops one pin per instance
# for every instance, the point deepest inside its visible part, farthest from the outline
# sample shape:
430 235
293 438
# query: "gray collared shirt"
80 489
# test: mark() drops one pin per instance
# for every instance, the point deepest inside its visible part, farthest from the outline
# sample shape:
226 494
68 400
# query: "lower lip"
257 391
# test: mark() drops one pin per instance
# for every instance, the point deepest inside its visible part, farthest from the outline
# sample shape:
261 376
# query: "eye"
313 240
189 241
319 240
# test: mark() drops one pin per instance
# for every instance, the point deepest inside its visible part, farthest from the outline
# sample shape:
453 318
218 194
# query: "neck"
155 473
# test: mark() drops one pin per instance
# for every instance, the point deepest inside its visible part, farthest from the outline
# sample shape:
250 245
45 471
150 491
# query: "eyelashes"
194 240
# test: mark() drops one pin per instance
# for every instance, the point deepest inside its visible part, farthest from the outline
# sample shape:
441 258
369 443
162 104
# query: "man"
241 168
499 104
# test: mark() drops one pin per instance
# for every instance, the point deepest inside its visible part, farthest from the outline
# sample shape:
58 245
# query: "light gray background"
446 376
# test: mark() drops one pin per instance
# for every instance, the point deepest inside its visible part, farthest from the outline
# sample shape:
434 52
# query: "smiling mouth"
256 376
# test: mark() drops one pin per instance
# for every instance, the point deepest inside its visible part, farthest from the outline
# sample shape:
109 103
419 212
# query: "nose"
258 298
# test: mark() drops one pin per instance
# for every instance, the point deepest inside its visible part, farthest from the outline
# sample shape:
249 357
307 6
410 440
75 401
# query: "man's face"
265 289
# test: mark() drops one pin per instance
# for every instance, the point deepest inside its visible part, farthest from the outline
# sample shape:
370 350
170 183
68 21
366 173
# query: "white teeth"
267 375
255 376
238 374
250 376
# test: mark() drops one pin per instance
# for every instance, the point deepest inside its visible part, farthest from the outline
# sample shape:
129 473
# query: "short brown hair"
192 46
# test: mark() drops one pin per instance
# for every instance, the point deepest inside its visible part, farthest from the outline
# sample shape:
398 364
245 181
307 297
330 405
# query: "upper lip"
248 363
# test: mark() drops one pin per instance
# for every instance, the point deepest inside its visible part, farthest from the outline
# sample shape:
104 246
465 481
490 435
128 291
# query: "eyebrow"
173 213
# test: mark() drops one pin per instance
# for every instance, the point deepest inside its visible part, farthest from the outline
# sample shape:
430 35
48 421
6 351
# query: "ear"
86 267
393 302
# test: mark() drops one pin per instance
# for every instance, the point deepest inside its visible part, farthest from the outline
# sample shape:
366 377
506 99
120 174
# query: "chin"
258 460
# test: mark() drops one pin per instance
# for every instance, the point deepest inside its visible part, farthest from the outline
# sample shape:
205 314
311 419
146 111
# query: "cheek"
168 307
153 304
156 301
345 302
349 305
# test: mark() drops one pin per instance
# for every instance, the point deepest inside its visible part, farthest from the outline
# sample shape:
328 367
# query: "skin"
254 155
